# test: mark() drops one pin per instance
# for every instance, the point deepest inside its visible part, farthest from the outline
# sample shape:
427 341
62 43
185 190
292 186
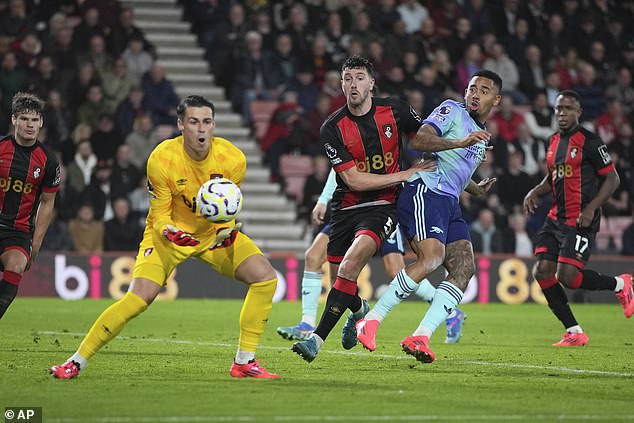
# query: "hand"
178 237
484 186
318 214
531 202
423 165
476 137
226 236
584 219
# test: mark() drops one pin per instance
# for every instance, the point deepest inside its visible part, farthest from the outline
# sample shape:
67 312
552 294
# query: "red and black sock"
594 281
8 289
558 301
342 296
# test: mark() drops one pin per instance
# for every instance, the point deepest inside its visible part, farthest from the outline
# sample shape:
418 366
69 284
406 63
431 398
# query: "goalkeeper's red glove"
178 237
226 236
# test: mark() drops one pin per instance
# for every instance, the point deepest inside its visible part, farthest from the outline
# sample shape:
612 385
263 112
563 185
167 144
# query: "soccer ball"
219 200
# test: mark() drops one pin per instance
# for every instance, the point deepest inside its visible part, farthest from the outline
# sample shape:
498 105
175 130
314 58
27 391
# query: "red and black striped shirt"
372 143
25 172
575 160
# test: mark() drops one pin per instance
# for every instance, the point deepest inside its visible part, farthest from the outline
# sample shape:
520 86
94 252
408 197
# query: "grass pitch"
172 365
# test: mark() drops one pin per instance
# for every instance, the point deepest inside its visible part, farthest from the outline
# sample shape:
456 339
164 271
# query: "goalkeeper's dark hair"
194 101
358 62
489 74
26 103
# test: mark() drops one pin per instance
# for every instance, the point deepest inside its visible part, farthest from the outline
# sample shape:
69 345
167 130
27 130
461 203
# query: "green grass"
172 365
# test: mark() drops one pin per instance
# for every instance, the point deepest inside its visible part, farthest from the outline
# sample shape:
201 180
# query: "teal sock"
447 297
426 291
311 289
400 288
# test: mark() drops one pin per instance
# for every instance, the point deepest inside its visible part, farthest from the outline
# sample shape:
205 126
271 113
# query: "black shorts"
565 244
11 239
376 221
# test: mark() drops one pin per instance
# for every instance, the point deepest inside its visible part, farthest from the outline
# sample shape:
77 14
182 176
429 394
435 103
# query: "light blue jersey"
451 120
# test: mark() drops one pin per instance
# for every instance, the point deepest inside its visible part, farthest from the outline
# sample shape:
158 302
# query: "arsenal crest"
388 130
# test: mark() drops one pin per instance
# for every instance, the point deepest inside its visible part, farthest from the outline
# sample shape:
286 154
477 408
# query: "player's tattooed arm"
427 140
460 263
479 189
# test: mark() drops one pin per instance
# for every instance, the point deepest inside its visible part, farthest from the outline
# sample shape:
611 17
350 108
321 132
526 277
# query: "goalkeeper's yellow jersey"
174 179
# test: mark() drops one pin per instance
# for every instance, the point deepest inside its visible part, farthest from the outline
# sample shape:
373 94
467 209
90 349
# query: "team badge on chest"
388 130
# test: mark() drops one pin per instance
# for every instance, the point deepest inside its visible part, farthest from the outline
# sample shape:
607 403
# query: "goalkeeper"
174 231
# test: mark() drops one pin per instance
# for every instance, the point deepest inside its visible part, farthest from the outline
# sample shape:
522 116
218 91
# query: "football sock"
318 340
110 323
8 289
574 329
447 298
558 301
594 281
620 284
425 291
311 289
341 297
400 288
255 313
77 358
243 357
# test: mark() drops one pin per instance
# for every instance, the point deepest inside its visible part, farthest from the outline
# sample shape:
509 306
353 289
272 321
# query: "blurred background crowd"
109 102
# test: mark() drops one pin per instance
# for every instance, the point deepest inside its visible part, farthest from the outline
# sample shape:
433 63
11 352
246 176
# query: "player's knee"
567 278
313 260
542 271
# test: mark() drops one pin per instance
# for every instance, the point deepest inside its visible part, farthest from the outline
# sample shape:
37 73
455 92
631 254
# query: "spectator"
97 193
469 64
138 61
123 31
142 141
500 63
12 78
285 57
125 175
568 68
160 98
86 232
413 14
362 30
16 23
336 38
44 78
320 61
78 86
57 119
515 45
90 25
461 38
306 88
80 169
514 183
485 237
540 119
63 54
553 87
117 83
555 42
297 28
122 232
623 90
533 152
608 124
520 241
129 111
27 50
315 119
105 139
480 15
57 238
384 15
446 17
98 55
313 186
431 89
332 89
67 199
507 119
93 107
532 78
139 201
591 93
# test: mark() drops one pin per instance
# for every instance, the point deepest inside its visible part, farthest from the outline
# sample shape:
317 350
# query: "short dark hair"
570 93
26 103
358 62
489 74
194 101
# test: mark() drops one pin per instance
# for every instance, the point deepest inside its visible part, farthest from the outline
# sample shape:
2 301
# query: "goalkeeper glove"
226 236
178 237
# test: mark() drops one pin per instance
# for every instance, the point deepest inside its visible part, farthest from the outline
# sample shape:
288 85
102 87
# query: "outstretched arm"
427 139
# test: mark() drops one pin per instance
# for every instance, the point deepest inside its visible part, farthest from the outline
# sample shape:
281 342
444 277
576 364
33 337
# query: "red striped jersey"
372 143
575 160
25 172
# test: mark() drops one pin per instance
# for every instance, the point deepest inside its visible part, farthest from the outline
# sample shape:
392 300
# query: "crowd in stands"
424 51
109 102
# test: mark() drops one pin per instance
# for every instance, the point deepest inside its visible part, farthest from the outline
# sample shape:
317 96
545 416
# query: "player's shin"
253 318
399 289
447 297
110 323
426 291
341 297
557 301
8 289
311 289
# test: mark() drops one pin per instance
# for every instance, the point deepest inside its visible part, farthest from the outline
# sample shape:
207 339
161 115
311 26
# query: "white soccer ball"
219 200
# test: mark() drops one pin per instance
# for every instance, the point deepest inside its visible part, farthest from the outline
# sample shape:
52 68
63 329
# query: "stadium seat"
294 169
261 114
